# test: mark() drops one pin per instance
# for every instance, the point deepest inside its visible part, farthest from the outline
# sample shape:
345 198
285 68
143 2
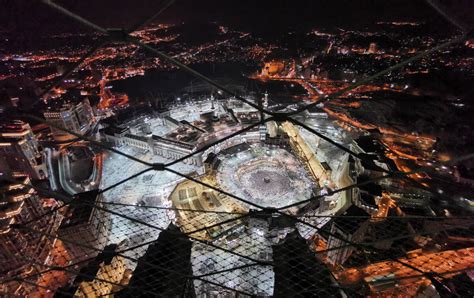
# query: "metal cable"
20 227
133 40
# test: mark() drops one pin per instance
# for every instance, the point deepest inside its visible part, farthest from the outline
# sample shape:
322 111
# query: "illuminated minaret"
263 127
215 114
265 100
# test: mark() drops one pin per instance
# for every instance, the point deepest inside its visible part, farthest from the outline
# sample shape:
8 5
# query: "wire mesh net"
257 217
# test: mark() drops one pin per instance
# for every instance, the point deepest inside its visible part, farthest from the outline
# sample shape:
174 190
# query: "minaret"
263 127
215 115
265 100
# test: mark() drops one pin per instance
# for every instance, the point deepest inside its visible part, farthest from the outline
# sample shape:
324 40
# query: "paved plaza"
248 276
139 195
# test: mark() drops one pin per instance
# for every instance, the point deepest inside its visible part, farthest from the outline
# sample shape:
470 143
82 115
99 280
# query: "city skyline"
237 150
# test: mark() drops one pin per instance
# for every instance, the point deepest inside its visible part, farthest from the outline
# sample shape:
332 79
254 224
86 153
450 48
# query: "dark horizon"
33 17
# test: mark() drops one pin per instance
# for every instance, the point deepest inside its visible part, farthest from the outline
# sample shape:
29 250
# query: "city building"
274 134
300 146
114 134
272 68
78 118
141 142
171 122
162 146
371 156
21 251
315 112
411 200
366 196
347 229
173 149
20 152
211 163
85 226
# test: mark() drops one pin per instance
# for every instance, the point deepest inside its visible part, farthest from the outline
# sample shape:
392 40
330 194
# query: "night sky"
24 23
28 16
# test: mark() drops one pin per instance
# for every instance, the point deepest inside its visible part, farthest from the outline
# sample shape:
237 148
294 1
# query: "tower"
215 114
265 100
19 151
78 118
263 127
19 204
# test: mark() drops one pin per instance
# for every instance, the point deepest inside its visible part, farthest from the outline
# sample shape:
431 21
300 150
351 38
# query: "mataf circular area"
269 177
263 179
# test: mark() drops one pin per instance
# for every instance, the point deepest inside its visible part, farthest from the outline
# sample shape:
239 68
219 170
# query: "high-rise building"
78 118
21 250
19 151
349 228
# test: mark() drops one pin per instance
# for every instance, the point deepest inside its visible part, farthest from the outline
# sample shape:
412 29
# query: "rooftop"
112 130
351 219
369 144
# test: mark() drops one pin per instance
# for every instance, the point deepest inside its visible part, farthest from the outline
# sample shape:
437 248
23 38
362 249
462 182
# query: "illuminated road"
440 263
197 51
401 147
